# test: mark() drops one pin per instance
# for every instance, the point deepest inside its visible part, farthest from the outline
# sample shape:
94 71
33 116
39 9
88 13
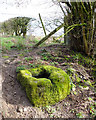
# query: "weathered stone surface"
45 85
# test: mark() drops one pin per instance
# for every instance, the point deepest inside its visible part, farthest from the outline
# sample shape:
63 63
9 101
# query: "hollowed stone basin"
45 85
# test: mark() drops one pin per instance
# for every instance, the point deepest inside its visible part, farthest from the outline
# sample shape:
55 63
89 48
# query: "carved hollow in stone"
45 85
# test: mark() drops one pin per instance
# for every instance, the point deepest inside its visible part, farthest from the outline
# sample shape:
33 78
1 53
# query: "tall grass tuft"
20 43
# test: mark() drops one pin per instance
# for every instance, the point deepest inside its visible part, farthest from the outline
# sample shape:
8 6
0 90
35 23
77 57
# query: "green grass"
8 42
92 109
21 43
17 42
5 57
80 115
35 40
28 58
82 59
21 67
45 56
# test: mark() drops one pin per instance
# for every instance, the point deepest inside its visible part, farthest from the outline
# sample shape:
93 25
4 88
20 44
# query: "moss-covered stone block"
45 85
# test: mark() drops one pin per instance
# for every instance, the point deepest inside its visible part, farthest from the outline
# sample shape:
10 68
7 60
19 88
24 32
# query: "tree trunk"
50 34
24 34
42 24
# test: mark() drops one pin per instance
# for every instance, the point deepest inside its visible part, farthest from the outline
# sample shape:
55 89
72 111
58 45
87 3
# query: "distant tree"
17 25
20 25
4 27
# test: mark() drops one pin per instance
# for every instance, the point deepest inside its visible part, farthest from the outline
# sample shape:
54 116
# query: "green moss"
5 57
45 85
78 79
25 77
36 71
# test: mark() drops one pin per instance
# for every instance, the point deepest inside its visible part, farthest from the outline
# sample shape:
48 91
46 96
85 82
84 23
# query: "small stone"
4 65
63 64
19 109
73 88
85 77
7 61
14 93
86 88
91 94
25 109
81 77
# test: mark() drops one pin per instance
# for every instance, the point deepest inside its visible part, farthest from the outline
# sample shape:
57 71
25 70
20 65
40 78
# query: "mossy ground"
45 85
60 56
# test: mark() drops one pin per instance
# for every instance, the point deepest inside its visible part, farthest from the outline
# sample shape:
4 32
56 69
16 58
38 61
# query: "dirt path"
0 86
15 102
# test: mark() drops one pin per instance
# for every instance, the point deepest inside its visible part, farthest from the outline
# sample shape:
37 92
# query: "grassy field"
14 42
20 43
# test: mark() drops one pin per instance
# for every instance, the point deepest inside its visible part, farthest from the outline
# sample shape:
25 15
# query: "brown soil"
15 102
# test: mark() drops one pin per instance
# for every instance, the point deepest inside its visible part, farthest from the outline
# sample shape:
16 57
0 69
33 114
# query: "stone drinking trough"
45 85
